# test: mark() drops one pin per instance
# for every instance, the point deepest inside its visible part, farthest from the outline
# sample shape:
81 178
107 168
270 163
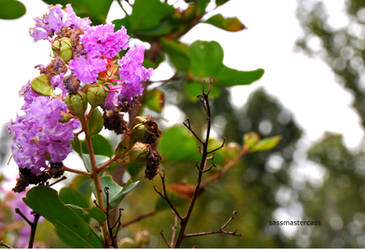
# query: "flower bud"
96 95
76 103
139 151
63 47
143 238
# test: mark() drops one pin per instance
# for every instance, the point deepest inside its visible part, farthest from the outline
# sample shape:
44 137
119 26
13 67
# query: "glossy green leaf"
116 192
101 146
95 122
228 77
227 23
206 58
176 145
71 196
134 168
115 201
97 11
266 144
70 227
11 9
42 86
155 100
177 53
193 89
88 213
147 14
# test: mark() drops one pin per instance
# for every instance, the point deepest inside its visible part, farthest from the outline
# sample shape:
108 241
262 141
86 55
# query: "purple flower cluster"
56 19
39 135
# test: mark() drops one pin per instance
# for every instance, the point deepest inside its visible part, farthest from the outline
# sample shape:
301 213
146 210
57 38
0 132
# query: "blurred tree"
339 202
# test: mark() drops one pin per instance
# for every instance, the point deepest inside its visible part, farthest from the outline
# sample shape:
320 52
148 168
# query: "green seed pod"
250 139
77 103
63 47
96 95
66 117
139 151
42 86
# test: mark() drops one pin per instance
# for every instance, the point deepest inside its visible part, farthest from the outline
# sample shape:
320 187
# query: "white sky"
305 86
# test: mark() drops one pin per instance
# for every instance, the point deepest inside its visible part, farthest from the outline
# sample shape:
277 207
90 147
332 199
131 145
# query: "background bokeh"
312 94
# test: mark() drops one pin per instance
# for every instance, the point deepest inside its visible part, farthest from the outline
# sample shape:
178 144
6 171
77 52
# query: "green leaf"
147 14
97 11
155 100
95 122
220 2
71 196
118 23
228 77
227 23
206 57
70 227
176 145
177 53
266 144
116 192
193 89
88 213
42 86
101 146
202 5
163 28
11 9
115 201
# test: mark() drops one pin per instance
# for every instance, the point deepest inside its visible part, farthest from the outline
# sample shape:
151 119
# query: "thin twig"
219 231
165 196
164 239
59 180
110 229
138 218
174 228
76 171
3 244
17 210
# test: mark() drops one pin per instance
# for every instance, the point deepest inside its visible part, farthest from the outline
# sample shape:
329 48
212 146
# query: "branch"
33 225
165 239
219 231
3 244
138 218
76 171
165 197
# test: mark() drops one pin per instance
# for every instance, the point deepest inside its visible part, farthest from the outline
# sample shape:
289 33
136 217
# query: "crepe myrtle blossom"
55 20
93 57
39 136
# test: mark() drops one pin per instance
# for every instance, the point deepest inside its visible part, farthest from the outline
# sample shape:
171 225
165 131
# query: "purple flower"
73 21
38 135
87 70
111 100
101 40
131 90
57 82
48 24
28 94
130 66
